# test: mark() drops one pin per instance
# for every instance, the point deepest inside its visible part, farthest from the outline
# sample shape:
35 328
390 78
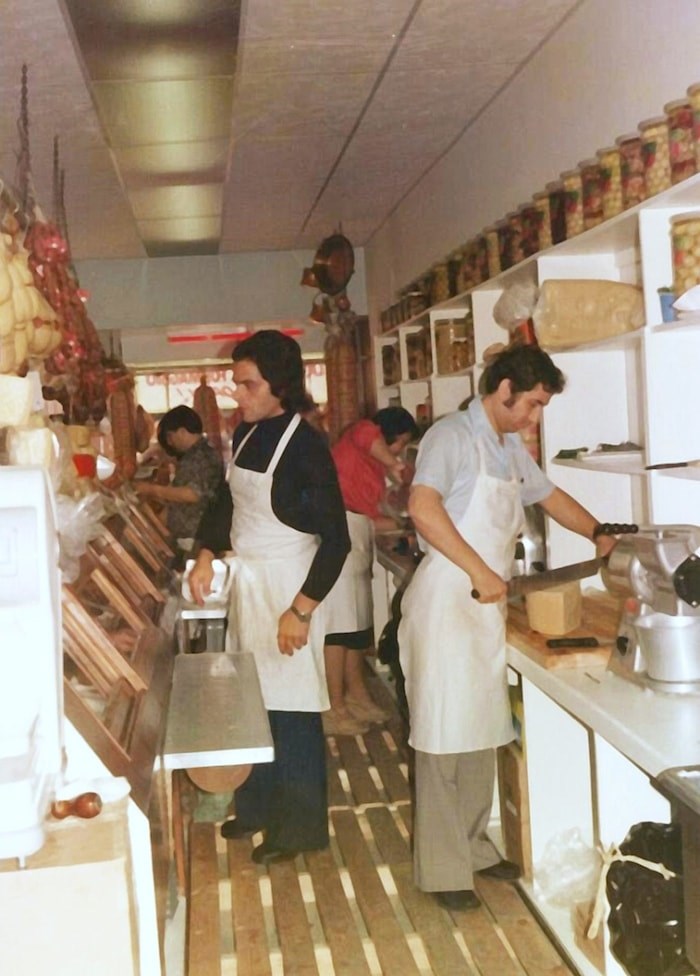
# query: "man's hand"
292 633
489 585
201 576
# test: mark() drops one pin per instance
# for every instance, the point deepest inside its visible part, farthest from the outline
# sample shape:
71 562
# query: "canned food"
573 205
694 96
680 138
610 181
655 154
490 235
557 211
544 227
530 224
685 238
631 170
591 192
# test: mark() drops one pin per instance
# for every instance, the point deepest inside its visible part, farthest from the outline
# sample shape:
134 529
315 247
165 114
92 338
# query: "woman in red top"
367 452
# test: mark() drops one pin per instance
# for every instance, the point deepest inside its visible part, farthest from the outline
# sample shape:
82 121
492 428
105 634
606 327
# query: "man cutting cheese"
473 477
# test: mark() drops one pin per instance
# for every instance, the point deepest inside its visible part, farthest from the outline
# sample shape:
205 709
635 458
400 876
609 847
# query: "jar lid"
685 216
585 163
512 215
679 103
657 120
540 195
491 229
525 206
607 151
694 89
628 138
569 174
553 186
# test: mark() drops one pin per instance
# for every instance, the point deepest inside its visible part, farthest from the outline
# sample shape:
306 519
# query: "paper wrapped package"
570 312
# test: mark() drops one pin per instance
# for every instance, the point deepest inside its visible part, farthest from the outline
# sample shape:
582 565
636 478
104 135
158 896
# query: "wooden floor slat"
353 909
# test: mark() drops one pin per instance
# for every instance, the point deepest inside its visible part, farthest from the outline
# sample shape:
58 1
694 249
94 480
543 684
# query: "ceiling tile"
177 202
173 163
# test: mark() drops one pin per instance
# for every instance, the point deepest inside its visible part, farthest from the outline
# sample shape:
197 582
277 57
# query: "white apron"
452 648
272 560
349 607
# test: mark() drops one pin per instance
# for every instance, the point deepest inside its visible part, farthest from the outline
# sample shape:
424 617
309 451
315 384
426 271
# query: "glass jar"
573 206
530 225
544 226
465 278
505 250
452 347
685 239
680 139
591 192
655 154
516 236
631 170
694 96
418 354
610 181
440 285
490 235
557 211
391 367
481 260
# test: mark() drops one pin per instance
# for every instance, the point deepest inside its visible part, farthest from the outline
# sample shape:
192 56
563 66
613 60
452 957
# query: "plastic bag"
646 919
78 522
516 305
569 870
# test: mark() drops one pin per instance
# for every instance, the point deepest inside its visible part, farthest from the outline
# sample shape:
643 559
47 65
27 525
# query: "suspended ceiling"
214 126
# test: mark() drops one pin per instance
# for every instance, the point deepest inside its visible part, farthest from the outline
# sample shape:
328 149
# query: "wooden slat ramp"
352 910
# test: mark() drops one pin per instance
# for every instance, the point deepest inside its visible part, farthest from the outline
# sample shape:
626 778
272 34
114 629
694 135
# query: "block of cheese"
555 611
570 312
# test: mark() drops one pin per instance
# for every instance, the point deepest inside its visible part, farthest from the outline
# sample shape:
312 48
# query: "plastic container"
685 238
631 170
493 254
573 206
557 211
530 224
591 191
694 96
655 154
680 138
544 227
610 181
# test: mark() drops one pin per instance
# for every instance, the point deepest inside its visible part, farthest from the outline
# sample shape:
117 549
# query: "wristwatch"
304 617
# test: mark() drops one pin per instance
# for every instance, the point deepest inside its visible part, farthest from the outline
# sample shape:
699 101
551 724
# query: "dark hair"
394 421
278 358
176 418
525 367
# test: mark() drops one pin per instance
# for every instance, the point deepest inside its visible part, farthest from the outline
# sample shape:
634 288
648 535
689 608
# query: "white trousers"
454 795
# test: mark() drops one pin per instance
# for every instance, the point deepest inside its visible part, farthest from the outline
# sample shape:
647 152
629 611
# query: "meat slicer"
657 570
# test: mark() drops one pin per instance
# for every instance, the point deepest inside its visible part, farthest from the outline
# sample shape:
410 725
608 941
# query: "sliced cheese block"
556 610
15 399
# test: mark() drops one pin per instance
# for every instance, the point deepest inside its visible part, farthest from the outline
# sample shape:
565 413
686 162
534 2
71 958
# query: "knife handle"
614 528
555 642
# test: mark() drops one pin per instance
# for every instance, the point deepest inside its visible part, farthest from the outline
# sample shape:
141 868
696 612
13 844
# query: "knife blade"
564 643
520 585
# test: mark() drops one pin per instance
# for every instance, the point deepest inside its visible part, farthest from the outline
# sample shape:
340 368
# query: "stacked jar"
440 284
685 237
631 170
557 211
680 138
591 192
694 96
610 181
481 260
452 347
465 278
529 222
655 154
516 236
544 226
490 235
573 206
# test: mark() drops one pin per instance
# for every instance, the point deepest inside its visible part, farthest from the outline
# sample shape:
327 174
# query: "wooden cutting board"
600 618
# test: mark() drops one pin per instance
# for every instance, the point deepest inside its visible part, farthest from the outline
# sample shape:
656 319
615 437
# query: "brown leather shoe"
501 871
458 901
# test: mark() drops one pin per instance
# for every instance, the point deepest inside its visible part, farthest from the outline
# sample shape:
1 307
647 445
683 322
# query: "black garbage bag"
647 931
388 652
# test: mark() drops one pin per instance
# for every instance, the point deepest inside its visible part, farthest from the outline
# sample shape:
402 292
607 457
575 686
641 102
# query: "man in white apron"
290 539
473 477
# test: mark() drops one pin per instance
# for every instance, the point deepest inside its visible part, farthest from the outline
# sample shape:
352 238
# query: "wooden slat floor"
352 910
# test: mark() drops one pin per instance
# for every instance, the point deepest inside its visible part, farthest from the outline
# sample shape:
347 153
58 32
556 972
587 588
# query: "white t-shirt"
448 460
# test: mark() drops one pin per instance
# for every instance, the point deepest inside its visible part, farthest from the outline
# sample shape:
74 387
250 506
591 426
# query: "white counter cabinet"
594 742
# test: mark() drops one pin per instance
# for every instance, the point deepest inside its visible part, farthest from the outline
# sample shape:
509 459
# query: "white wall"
226 289
610 65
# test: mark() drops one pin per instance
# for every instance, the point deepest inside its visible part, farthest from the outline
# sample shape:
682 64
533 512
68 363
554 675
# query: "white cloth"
273 561
349 607
452 648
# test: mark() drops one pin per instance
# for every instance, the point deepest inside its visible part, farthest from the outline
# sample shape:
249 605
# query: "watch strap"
300 615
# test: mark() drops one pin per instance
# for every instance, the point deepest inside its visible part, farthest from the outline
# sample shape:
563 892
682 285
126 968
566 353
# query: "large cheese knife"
521 585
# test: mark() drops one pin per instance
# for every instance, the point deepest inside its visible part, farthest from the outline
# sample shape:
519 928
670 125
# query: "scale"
31 692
